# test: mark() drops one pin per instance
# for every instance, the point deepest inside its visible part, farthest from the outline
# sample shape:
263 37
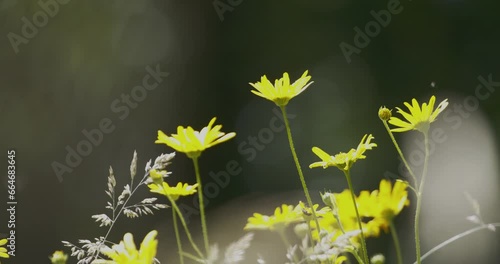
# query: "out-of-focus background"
69 67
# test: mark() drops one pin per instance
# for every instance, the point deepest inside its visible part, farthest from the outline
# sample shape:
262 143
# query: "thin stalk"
183 222
395 238
357 257
115 216
177 236
310 234
299 169
363 241
400 153
202 206
455 238
281 232
187 255
419 198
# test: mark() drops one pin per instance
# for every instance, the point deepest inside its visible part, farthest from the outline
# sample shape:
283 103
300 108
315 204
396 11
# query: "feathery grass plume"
133 167
87 250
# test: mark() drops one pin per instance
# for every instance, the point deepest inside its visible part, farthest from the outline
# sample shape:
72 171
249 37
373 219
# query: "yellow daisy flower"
282 91
127 253
385 203
343 161
192 142
3 250
173 192
377 208
283 216
419 118
306 211
58 257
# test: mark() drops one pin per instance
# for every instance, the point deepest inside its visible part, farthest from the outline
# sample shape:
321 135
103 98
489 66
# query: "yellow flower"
306 211
173 192
419 118
127 253
192 142
384 204
376 208
283 216
3 250
59 257
157 176
282 91
343 161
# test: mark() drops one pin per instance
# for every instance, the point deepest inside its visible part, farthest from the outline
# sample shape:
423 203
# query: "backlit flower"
282 91
283 216
385 203
192 142
181 189
420 117
127 253
3 250
377 209
343 161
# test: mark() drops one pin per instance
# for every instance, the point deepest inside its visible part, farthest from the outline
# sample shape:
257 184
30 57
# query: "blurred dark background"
66 74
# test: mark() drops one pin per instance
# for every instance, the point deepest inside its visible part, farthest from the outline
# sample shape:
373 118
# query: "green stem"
183 222
396 242
357 257
299 169
310 234
187 255
457 237
400 153
363 241
177 237
419 198
202 206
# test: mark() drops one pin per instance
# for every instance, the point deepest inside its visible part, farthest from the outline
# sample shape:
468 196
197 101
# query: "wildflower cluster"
332 233
338 218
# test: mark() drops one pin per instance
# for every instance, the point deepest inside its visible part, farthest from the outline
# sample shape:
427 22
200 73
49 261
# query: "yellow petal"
321 154
400 123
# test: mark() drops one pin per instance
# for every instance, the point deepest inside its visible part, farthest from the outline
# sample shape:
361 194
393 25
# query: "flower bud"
384 113
301 230
327 199
157 176
377 259
58 258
